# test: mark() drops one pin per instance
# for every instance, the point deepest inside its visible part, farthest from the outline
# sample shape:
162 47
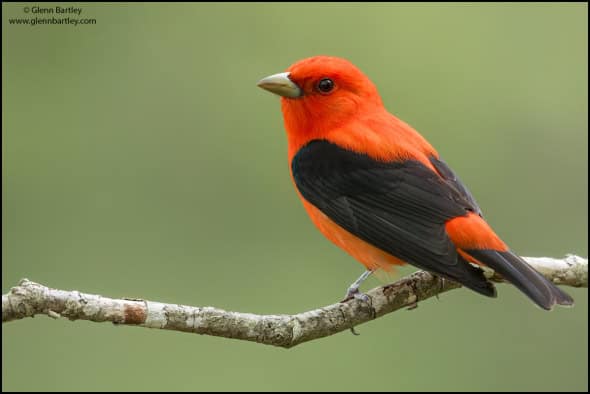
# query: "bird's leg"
353 289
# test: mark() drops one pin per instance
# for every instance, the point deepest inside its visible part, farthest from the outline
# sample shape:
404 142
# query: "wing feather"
399 207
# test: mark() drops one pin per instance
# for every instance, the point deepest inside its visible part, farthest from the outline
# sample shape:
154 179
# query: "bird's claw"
362 297
353 292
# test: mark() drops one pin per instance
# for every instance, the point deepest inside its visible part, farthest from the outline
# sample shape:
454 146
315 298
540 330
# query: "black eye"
326 85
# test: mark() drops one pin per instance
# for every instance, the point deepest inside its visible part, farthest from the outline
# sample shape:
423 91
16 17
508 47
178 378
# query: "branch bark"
30 298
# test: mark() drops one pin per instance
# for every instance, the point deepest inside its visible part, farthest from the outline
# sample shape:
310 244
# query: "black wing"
399 207
453 180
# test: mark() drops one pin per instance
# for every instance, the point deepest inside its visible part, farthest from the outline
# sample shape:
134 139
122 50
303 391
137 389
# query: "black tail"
520 274
474 279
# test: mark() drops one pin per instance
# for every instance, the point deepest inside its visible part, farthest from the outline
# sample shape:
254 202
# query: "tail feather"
515 270
474 279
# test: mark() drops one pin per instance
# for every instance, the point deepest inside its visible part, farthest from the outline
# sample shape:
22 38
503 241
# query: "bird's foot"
353 289
353 292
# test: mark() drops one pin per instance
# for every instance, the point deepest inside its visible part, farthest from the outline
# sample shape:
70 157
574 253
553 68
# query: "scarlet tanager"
377 189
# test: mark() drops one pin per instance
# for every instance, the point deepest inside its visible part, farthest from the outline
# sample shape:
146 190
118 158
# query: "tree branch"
30 298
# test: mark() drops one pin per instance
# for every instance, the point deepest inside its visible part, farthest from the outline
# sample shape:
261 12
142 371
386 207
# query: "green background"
141 160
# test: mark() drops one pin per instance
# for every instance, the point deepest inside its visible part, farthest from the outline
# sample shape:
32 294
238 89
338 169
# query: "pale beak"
280 84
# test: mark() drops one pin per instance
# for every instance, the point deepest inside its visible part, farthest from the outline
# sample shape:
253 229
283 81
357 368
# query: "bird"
379 190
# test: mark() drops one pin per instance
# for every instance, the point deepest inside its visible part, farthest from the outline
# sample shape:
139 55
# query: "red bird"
377 189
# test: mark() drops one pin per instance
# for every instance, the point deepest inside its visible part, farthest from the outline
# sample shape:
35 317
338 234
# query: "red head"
329 98
331 88
322 91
